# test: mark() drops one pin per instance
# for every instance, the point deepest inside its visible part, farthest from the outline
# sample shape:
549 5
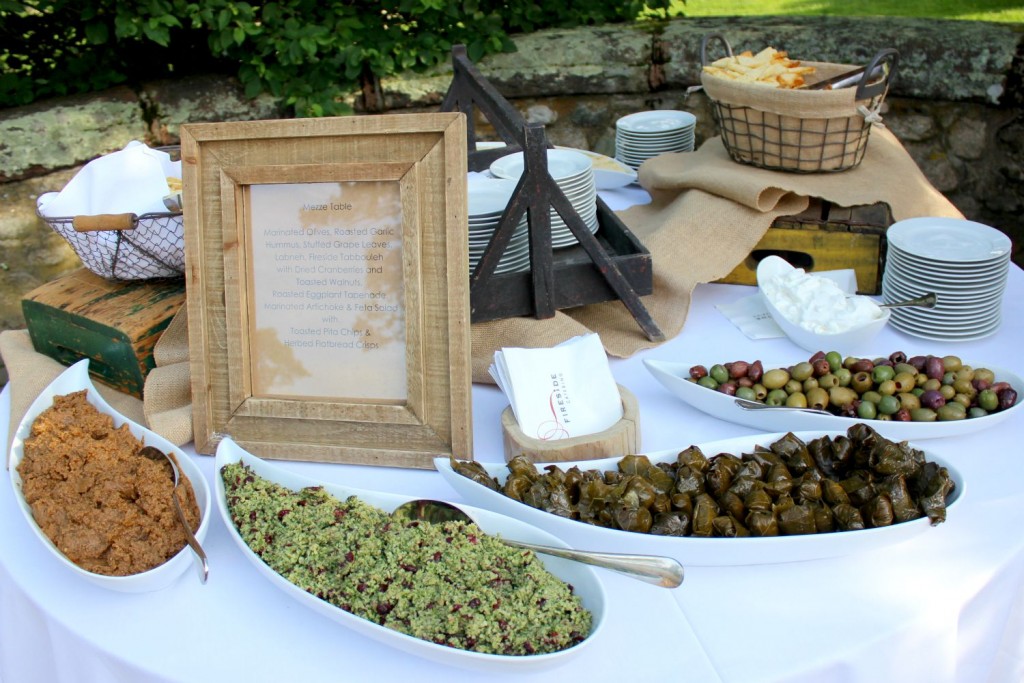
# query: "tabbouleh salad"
447 583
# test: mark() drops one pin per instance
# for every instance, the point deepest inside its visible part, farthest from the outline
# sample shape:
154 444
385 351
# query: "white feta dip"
817 303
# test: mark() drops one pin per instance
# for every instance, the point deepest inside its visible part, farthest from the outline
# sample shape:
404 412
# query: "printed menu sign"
326 311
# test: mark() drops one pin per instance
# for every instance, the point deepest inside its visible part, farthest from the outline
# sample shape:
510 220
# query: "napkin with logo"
707 214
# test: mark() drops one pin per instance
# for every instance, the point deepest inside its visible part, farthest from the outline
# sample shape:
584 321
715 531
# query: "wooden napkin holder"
825 237
622 438
115 324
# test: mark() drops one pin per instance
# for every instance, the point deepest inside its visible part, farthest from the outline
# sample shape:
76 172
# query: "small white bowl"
76 378
852 341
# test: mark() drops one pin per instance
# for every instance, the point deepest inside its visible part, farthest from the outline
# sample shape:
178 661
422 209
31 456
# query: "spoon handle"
926 301
202 565
754 405
661 571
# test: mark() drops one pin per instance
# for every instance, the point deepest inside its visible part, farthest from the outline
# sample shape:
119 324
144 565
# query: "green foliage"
308 54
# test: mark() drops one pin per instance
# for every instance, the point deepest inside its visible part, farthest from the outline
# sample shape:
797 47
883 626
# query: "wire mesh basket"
799 130
127 246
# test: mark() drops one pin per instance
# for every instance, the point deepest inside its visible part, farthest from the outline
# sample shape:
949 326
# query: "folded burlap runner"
707 215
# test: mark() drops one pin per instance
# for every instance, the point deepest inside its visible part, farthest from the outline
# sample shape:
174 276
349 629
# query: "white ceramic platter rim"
690 550
577 574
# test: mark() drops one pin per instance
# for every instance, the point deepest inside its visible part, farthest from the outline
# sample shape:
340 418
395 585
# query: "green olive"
881 373
951 363
861 382
866 410
809 383
775 379
966 372
909 401
900 368
964 386
817 398
951 411
776 397
796 400
904 381
985 374
719 373
889 404
988 400
931 385
801 371
887 388
947 391
794 386
844 376
708 381
923 415
872 396
977 412
835 360
828 380
747 393
841 396
760 392
948 378
964 400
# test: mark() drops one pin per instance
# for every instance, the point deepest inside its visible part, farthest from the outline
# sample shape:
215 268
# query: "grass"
977 10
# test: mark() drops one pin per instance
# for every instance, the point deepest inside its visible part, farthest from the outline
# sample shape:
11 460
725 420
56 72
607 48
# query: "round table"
947 605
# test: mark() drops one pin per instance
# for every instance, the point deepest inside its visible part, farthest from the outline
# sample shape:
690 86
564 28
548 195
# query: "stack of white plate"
646 134
487 199
965 263
574 173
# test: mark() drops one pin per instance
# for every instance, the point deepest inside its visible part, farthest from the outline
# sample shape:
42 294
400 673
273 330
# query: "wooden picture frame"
327 287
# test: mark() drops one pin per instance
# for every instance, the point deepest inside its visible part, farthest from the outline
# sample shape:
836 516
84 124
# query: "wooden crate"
825 237
115 324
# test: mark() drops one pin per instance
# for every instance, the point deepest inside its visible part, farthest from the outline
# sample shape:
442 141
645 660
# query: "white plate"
76 378
562 164
657 121
689 550
608 173
948 239
487 198
674 377
954 334
583 578
941 271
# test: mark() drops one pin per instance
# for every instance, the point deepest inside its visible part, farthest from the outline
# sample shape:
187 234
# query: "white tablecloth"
947 605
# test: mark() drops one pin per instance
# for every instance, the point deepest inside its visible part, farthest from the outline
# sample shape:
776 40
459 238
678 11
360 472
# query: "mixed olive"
919 388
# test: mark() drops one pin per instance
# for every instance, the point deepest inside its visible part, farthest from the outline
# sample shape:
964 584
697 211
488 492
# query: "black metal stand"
604 267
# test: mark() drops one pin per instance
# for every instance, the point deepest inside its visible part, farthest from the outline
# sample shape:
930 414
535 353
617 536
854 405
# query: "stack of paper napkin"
560 392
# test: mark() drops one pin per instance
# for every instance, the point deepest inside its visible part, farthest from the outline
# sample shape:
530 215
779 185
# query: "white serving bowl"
76 378
694 551
853 341
584 579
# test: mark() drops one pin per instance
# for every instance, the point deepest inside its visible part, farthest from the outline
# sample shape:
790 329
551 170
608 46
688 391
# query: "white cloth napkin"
131 180
559 392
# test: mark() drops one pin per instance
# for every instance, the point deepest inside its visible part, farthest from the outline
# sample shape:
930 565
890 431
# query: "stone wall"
956 104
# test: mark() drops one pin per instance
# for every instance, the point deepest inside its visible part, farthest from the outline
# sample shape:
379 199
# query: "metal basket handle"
886 60
105 221
706 40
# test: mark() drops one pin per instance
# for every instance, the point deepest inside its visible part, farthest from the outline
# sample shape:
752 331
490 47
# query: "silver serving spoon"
754 405
926 300
661 571
156 454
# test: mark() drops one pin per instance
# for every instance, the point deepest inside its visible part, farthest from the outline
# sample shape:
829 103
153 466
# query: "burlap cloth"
707 214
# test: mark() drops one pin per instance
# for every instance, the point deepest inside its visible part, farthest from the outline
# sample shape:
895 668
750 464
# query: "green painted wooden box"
114 324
